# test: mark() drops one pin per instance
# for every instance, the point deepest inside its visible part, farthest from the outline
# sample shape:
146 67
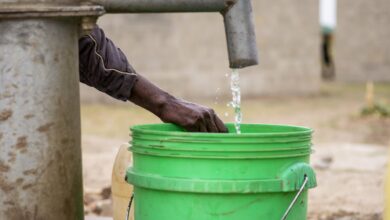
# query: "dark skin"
190 116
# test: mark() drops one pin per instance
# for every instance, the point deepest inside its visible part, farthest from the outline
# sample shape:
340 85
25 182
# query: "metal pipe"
163 6
40 149
240 35
40 153
238 18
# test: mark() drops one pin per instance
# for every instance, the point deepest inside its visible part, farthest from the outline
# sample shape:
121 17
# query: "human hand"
169 109
192 117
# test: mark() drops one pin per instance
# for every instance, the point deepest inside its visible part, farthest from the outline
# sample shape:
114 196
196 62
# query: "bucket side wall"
211 168
167 205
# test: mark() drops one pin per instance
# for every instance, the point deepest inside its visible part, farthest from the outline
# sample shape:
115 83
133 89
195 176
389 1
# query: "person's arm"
105 67
191 116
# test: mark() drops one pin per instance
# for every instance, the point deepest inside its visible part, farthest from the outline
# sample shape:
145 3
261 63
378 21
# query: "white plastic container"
121 191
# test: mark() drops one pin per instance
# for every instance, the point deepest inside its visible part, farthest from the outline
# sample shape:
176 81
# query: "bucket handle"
305 180
129 207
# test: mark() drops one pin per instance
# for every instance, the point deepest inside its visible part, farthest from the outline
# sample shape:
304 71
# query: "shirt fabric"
104 66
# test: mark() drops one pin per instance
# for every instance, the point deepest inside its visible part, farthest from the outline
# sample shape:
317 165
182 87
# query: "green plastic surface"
255 175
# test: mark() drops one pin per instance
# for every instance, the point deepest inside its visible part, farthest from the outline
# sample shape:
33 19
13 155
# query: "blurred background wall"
186 53
362 41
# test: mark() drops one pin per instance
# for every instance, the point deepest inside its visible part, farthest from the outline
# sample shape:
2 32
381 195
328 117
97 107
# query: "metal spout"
240 35
240 30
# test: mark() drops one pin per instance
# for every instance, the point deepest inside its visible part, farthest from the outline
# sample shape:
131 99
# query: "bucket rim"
300 130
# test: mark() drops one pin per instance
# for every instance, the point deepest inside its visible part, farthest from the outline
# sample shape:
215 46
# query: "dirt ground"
350 150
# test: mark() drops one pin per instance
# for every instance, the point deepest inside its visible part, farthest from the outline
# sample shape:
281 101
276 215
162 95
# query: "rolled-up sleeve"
104 66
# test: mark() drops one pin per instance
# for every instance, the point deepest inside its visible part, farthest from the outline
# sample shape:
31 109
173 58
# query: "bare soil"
350 154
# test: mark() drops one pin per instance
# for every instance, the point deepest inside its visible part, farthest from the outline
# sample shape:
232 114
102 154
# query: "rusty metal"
163 6
240 35
40 154
12 10
87 24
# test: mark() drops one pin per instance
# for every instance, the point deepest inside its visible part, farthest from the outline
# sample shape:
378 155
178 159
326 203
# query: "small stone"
106 192
103 208
324 163
90 198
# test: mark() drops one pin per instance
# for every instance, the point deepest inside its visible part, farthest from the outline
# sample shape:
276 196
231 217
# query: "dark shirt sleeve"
104 66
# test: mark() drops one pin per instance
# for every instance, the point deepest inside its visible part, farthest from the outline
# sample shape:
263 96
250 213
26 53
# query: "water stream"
236 102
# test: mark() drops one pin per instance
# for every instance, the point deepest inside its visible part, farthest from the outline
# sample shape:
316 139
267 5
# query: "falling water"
236 102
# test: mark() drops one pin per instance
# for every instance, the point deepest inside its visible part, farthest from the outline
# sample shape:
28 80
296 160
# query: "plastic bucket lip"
231 140
168 140
300 130
151 146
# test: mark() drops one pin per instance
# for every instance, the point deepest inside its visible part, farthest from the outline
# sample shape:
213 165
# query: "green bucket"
261 174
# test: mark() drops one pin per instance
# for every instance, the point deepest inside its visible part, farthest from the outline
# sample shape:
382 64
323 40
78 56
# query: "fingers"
207 121
203 128
192 128
213 123
210 121
220 125
193 117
